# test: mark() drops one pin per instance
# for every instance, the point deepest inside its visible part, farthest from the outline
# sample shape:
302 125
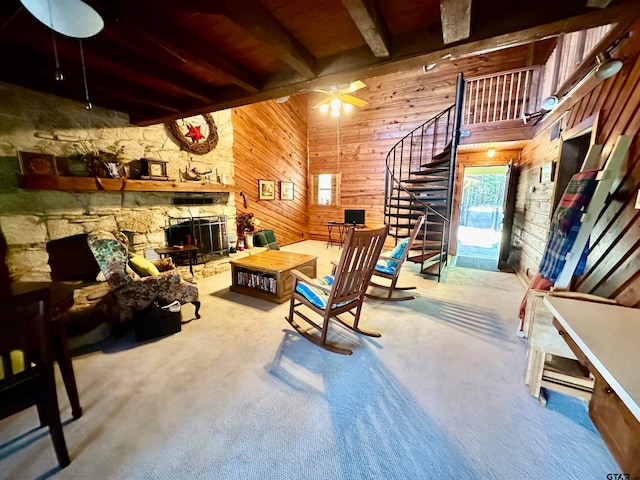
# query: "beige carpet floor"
239 395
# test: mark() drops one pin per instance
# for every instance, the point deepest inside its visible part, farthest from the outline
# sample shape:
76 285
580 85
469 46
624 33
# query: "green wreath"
198 148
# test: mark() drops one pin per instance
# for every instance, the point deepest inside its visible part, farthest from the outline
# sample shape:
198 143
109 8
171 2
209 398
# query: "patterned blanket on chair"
565 225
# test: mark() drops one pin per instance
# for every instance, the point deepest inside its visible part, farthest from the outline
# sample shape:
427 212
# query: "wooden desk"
190 250
267 275
61 301
606 338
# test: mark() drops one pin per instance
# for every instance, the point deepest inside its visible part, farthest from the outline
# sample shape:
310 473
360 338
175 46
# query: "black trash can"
157 320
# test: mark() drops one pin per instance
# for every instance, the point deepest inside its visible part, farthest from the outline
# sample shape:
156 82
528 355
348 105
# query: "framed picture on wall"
266 190
37 163
286 190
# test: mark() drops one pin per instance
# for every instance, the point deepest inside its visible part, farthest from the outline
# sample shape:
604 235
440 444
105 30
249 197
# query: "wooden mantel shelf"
90 184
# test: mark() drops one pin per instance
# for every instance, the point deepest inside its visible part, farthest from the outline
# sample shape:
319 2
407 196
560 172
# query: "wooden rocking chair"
339 293
389 266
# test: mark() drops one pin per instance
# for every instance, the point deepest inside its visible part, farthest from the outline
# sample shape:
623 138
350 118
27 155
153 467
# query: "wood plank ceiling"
159 60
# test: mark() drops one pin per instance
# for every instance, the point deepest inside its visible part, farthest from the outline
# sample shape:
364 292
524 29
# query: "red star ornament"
194 133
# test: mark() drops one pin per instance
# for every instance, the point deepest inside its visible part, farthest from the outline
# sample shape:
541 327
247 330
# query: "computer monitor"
354 217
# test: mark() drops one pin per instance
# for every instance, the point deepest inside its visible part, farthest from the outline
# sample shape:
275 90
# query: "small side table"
341 231
190 250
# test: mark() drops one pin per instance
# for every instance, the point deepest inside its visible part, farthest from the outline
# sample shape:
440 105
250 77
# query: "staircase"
419 180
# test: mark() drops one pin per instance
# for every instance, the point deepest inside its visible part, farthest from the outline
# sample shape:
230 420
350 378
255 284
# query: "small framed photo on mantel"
266 189
37 163
286 190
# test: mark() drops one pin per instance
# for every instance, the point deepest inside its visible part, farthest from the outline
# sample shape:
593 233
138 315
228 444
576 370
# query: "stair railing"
441 133
436 134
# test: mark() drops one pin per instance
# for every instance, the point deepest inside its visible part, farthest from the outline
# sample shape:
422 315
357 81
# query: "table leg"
342 230
63 357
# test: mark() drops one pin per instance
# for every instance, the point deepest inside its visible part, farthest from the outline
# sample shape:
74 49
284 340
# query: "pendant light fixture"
72 18
87 104
59 76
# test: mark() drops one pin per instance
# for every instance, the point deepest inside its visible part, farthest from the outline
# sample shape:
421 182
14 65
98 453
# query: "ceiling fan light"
335 113
335 104
606 66
347 107
324 108
72 18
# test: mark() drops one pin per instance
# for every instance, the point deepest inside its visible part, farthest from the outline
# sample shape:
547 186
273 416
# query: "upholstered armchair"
132 292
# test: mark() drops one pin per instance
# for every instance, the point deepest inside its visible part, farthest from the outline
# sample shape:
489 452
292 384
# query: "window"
326 189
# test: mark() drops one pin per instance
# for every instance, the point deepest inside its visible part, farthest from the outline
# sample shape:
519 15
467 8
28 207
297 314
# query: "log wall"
270 143
398 103
614 260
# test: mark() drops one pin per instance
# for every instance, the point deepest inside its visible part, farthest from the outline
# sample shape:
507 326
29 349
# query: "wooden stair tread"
410 225
421 199
427 169
445 152
417 207
427 188
429 254
412 181
427 177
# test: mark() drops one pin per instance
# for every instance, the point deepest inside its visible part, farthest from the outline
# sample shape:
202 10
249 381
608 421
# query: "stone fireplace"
208 233
29 218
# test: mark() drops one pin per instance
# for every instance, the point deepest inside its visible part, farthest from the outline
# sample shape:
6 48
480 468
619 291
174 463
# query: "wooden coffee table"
267 275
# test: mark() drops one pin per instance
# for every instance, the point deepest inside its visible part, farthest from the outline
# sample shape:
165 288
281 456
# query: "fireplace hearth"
208 233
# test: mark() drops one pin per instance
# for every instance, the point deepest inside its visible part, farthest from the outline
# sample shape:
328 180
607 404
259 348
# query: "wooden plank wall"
398 103
533 204
613 268
270 143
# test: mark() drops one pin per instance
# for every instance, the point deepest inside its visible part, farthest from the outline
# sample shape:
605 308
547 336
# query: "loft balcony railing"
500 97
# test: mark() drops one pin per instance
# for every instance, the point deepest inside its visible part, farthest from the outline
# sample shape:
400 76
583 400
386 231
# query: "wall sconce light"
549 103
606 66
527 117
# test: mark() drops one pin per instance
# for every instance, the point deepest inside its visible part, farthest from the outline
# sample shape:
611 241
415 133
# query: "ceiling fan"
338 96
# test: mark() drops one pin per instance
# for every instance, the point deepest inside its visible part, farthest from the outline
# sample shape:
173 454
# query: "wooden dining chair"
340 293
389 265
26 363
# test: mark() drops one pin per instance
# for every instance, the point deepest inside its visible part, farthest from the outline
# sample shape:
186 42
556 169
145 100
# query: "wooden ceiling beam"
195 53
43 82
493 40
41 66
409 53
370 22
9 10
109 58
251 15
455 17
195 6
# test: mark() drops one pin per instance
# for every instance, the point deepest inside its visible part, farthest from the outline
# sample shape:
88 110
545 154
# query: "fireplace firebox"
208 233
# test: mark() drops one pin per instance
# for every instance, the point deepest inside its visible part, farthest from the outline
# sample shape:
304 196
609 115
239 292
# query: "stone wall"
35 122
